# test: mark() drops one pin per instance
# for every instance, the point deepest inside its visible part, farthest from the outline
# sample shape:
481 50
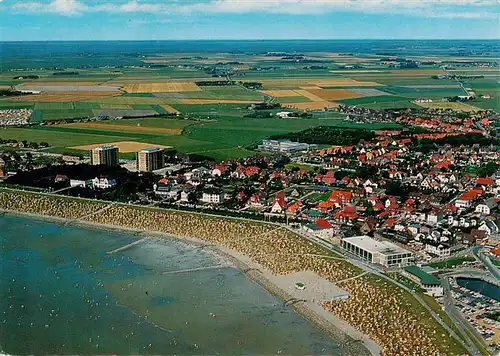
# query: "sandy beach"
317 288
378 317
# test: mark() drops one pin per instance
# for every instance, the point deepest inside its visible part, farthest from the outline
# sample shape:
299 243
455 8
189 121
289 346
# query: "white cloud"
63 7
426 8
131 6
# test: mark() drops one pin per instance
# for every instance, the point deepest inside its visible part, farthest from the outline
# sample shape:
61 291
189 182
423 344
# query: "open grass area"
406 281
452 262
221 139
373 100
6 104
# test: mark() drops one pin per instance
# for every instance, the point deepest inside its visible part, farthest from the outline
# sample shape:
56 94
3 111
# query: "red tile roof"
324 224
484 181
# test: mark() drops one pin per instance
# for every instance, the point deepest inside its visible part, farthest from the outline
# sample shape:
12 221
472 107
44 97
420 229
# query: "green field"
452 262
221 139
54 106
221 130
373 100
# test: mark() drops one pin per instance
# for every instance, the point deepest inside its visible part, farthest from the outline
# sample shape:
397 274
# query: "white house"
433 218
212 196
283 114
321 228
77 183
487 206
103 183
437 249
184 196
490 226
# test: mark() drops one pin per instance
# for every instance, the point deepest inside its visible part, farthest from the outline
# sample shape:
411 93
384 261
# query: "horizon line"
264 39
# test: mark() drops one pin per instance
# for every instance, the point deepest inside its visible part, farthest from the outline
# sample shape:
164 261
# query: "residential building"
150 159
430 283
104 155
102 183
379 252
279 203
486 206
437 249
321 228
212 196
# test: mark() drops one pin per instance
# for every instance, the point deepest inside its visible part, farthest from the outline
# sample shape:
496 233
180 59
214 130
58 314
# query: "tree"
369 210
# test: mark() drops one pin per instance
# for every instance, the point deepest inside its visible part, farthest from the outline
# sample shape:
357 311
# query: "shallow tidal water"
60 293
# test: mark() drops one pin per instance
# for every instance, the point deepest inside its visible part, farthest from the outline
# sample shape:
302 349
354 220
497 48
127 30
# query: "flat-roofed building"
379 252
284 146
150 159
105 155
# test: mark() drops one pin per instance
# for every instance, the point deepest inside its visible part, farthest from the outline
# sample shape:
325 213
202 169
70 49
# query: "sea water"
60 293
482 287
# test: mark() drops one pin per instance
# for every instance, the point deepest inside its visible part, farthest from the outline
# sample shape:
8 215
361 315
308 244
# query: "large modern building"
284 146
150 159
379 252
105 155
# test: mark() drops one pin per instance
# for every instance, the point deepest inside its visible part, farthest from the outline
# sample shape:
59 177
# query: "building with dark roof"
431 284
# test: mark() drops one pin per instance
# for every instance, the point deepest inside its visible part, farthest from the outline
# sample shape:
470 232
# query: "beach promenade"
377 312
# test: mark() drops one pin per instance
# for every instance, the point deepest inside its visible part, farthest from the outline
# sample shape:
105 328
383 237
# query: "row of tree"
328 135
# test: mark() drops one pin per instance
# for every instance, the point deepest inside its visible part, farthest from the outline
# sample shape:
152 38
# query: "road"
485 260
458 319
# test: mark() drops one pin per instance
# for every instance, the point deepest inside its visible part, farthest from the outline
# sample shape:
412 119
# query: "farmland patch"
125 129
123 146
123 113
215 101
65 96
169 87
447 105
369 92
69 87
334 94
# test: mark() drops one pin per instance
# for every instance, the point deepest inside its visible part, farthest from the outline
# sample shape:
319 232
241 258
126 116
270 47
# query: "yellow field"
124 146
241 67
311 106
446 105
280 93
66 96
334 94
170 87
310 95
216 101
170 109
296 83
314 87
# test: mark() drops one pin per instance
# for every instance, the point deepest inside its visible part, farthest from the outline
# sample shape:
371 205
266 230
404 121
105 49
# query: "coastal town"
407 210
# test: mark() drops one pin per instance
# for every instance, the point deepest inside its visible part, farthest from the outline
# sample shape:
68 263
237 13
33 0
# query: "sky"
43 20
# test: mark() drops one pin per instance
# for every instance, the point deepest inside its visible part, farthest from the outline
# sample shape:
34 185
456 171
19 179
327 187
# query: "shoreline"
350 340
